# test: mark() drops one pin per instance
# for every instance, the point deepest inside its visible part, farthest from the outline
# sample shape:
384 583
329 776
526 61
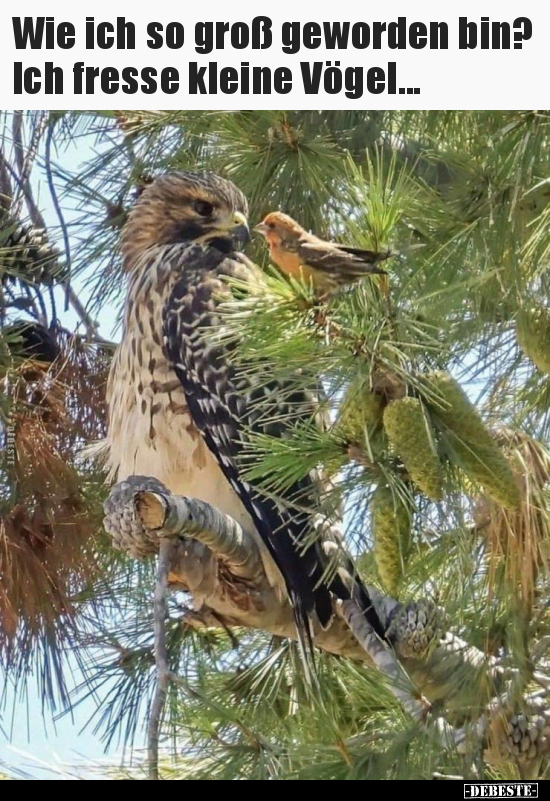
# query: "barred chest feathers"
150 429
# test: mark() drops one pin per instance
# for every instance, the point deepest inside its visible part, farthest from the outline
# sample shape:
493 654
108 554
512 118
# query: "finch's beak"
261 229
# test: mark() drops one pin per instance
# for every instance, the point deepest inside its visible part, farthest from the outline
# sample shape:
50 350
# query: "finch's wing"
340 263
370 256
226 405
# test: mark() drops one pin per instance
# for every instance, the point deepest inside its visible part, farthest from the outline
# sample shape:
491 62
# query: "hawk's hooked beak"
240 232
231 233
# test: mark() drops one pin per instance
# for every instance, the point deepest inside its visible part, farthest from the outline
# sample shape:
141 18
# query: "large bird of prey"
178 410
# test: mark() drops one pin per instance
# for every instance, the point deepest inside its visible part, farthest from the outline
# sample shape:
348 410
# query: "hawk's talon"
124 521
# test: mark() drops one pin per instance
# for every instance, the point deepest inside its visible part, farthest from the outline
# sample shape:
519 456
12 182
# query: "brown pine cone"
415 628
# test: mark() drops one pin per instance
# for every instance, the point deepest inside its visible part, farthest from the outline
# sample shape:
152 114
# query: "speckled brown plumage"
178 412
150 429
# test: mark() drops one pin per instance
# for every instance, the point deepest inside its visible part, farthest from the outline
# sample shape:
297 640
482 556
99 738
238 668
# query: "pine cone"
478 453
533 335
391 526
122 522
409 432
525 737
26 252
415 628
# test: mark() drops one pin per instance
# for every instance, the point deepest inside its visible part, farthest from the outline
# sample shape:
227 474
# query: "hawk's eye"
203 207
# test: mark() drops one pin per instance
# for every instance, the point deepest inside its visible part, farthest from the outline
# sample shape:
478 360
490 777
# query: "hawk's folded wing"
224 405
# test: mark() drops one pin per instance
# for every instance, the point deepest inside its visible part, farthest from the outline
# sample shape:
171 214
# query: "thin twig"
161 658
35 215
34 144
53 305
59 212
38 311
86 319
6 188
18 145
42 306
23 183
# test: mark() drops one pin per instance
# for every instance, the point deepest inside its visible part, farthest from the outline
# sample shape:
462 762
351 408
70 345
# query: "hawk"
179 411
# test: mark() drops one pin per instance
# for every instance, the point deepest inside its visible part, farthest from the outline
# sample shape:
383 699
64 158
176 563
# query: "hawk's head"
186 207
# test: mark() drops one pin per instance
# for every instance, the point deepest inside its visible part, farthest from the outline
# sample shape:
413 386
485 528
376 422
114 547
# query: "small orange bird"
305 256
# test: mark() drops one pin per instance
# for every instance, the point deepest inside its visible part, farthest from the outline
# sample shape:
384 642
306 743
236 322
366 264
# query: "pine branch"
141 513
